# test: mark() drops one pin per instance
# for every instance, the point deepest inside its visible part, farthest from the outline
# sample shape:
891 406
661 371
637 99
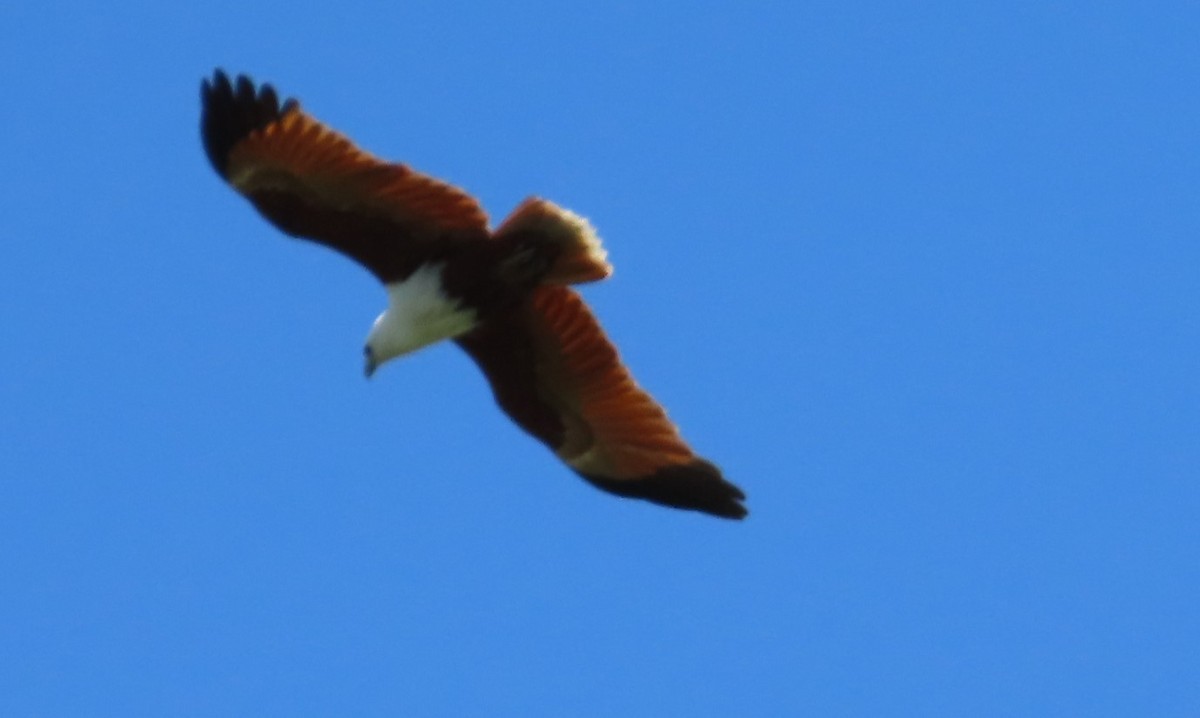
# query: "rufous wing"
558 376
314 183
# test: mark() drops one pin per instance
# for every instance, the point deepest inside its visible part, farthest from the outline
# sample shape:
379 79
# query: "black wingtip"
232 110
697 486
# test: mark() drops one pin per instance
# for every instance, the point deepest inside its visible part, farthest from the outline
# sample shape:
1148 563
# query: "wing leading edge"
314 183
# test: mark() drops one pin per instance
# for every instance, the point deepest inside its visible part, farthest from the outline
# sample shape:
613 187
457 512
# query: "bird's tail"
578 254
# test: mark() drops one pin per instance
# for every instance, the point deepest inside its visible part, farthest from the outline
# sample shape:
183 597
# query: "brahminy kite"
502 295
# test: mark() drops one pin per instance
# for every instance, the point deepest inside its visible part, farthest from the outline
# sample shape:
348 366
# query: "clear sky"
921 277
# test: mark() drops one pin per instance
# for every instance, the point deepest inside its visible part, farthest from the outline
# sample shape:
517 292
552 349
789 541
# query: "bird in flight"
503 295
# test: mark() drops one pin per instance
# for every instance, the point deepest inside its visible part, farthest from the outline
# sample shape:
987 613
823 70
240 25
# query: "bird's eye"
367 351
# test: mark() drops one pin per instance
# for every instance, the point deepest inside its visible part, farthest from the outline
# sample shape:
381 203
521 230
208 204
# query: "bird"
503 295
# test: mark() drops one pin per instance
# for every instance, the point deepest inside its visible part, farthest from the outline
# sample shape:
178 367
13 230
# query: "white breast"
419 313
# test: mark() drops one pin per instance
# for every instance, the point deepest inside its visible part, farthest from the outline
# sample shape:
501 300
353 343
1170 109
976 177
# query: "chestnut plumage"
502 295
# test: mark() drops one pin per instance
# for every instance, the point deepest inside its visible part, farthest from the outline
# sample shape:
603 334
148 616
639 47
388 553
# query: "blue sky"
921 277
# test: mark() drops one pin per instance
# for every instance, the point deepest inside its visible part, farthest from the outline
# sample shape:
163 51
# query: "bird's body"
502 295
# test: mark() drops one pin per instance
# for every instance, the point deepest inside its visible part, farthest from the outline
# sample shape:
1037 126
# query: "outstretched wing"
314 183
558 376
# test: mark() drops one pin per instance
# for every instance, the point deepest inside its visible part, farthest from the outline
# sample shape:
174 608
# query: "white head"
419 313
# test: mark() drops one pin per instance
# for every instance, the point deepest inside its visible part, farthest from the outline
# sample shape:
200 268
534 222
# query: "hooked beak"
369 364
